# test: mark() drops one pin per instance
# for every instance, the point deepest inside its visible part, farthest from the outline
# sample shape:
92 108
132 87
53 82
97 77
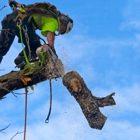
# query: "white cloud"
131 16
132 24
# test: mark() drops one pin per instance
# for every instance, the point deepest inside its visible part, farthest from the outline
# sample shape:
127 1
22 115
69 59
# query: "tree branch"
16 134
1 130
3 7
13 80
88 103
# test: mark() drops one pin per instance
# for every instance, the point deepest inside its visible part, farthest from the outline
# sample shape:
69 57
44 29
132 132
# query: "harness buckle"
19 22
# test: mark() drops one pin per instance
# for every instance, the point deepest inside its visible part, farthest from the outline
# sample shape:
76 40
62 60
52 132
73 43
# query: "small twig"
4 128
14 93
3 7
7 89
16 134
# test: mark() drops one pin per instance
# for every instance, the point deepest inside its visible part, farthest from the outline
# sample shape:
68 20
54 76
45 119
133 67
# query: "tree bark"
14 80
88 103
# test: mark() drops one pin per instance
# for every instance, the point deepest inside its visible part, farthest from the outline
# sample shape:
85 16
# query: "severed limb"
88 103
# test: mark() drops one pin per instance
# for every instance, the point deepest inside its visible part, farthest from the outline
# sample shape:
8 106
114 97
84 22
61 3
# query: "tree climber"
42 16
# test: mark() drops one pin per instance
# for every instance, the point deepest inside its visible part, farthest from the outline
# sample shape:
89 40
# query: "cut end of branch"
76 85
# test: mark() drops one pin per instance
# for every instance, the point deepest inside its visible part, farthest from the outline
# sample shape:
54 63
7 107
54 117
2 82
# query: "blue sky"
104 47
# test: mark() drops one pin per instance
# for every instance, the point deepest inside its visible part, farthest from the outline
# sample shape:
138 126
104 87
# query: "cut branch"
88 103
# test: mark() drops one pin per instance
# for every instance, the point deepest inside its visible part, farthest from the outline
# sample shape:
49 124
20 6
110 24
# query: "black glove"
12 3
1 58
54 51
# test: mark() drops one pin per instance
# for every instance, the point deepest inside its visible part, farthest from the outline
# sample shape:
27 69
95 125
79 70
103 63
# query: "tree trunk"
52 68
88 103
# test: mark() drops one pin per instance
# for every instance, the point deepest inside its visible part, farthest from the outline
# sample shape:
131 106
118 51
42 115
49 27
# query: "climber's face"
62 28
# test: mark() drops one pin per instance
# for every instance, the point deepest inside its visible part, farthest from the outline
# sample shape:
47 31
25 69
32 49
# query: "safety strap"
27 41
31 20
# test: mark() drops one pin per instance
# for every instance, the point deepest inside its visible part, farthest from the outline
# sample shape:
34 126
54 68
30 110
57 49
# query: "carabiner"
19 22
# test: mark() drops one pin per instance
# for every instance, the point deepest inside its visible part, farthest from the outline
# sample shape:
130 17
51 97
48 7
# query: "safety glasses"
64 19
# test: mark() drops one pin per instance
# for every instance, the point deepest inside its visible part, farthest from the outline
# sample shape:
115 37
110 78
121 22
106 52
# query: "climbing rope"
25 114
49 113
27 40
23 48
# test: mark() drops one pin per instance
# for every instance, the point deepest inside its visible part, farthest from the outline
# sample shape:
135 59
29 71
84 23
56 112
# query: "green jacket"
46 23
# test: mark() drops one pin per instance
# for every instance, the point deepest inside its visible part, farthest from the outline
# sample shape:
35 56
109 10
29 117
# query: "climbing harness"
25 29
23 48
